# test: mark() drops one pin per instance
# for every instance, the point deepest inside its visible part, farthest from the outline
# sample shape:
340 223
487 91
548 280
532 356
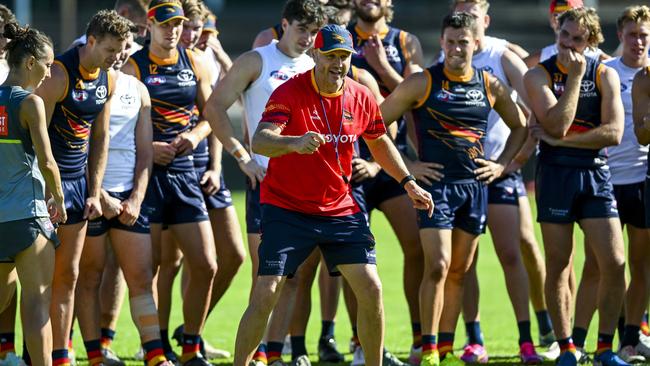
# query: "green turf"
497 318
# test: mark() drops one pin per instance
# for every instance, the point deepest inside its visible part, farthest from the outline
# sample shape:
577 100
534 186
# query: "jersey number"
153 68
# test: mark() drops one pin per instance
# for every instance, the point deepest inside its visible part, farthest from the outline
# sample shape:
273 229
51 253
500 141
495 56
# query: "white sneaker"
582 356
415 356
630 355
278 363
111 359
286 349
553 352
139 355
302 360
72 356
358 359
12 359
212 352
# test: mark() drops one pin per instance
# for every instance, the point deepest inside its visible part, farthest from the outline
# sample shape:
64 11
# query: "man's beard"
371 18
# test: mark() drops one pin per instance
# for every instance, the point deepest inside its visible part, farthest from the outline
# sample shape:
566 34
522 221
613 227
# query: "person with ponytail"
30 187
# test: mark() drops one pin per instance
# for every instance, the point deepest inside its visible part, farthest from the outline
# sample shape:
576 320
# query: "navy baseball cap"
163 11
333 37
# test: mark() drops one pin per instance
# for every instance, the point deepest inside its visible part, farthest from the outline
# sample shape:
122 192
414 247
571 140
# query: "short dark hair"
24 42
459 20
137 7
305 12
6 16
109 23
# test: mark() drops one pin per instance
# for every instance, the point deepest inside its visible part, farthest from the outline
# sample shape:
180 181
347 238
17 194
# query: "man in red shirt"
308 129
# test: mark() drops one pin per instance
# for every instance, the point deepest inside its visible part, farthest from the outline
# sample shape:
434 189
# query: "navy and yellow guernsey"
172 85
394 41
586 118
73 116
277 31
451 120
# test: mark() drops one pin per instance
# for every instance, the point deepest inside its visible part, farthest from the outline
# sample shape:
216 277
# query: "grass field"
497 318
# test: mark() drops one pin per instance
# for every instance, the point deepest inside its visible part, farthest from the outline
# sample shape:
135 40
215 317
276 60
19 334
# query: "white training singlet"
125 109
214 65
627 161
495 42
4 70
551 50
276 69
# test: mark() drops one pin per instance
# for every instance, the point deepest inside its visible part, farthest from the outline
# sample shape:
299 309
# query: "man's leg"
463 247
8 316
364 282
264 296
474 351
605 238
330 289
302 307
111 293
586 300
171 259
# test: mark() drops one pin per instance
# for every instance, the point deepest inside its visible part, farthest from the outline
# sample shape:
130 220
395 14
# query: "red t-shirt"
312 183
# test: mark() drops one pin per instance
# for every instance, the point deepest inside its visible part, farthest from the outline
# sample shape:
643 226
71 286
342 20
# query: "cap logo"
339 38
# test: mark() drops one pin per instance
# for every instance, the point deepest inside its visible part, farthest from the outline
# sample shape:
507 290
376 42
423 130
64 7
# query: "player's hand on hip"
308 143
425 172
253 171
92 208
488 170
130 212
163 153
421 199
363 169
57 212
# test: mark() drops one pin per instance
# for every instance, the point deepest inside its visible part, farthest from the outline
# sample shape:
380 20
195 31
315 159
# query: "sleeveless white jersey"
495 42
125 109
276 69
627 161
551 50
4 70
215 67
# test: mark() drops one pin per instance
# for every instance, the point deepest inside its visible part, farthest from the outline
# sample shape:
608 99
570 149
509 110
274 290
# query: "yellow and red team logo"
4 122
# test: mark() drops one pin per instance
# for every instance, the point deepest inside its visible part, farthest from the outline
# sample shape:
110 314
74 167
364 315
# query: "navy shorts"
19 235
359 196
75 193
379 189
457 205
630 201
569 194
175 198
221 199
289 237
506 190
253 209
101 225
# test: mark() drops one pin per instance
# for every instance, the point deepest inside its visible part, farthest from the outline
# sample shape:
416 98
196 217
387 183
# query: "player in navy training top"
77 103
577 102
451 103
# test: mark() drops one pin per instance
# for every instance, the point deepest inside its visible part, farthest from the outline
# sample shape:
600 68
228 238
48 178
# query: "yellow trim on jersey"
275 34
88 75
486 81
458 78
600 70
424 98
10 141
164 61
136 68
67 80
561 67
363 35
190 56
328 95
402 42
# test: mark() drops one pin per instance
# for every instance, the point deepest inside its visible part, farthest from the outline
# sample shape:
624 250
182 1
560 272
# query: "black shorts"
75 193
175 198
379 189
18 235
506 190
289 237
101 225
457 205
630 201
568 194
221 199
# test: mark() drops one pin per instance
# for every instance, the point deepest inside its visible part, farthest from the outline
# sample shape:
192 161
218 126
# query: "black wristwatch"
407 179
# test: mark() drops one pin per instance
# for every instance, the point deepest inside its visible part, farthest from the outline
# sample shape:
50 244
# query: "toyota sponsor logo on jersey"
341 139
587 89
279 75
475 98
186 78
101 93
155 80
79 95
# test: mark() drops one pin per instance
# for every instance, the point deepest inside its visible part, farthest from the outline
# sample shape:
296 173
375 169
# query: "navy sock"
298 347
621 329
544 322
473 330
445 344
524 332
164 338
327 329
604 343
579 335
26 357
631 335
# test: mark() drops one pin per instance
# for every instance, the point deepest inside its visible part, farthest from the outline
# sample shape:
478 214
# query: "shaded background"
524 22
